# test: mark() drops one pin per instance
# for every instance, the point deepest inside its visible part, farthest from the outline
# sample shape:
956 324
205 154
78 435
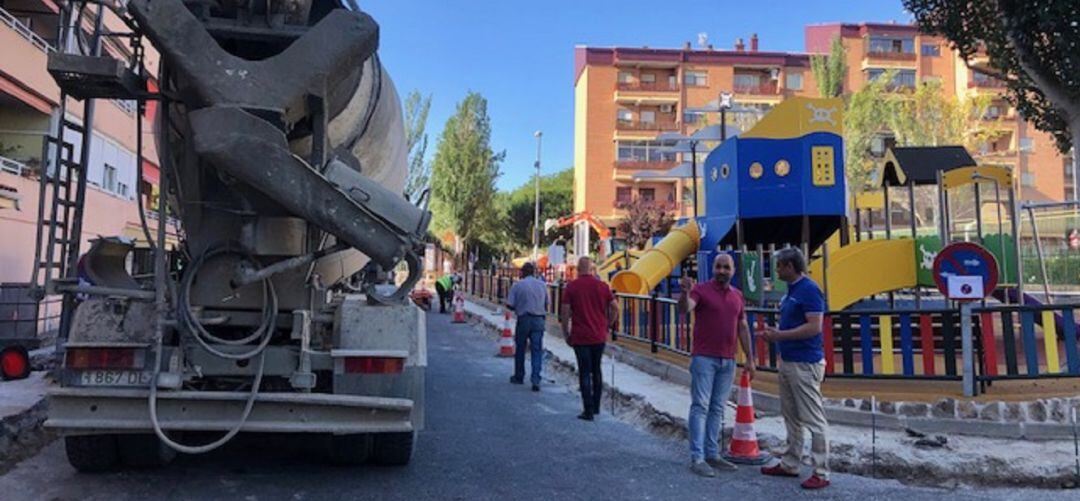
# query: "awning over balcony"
26 96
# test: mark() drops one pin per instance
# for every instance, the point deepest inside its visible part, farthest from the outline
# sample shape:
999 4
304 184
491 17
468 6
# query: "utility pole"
536 213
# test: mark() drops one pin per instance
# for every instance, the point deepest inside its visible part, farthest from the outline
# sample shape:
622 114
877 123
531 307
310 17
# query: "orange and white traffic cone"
459 308
744 443
506 339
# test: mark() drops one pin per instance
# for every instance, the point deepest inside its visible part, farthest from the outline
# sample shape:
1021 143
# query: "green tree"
865 116
463 173
642 221
1031 45
829 71
517 209
416 141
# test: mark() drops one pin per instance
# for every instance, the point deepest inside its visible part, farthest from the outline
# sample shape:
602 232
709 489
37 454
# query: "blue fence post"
654 322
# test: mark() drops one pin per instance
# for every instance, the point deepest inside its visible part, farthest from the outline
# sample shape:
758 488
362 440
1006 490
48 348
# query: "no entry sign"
965 265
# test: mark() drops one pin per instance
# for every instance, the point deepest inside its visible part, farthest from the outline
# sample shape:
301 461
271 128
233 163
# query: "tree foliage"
464 171
517 207
923 116
829 71
643 219
416 142
1031 45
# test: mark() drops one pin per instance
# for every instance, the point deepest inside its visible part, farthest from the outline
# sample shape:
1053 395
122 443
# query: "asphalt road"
485 439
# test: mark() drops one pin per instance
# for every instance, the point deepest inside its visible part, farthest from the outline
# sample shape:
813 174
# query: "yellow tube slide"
658 261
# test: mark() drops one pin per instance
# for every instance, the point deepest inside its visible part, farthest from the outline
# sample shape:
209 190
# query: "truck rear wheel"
92 453
349 450
393 449
144 450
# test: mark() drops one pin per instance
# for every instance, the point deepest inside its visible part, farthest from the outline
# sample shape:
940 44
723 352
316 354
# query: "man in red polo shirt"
719 318
588 309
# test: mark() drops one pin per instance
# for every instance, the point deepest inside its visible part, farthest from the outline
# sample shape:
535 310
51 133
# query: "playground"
889 332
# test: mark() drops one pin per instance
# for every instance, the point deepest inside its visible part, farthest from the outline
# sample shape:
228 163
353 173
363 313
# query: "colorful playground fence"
1010 341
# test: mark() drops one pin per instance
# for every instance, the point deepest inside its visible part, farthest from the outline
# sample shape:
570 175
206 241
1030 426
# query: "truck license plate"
114 378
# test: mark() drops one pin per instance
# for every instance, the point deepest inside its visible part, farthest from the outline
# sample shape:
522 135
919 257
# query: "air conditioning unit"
774 73
667 108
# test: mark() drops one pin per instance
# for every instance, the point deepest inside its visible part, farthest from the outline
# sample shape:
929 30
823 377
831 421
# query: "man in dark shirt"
802 368
588 309
719 318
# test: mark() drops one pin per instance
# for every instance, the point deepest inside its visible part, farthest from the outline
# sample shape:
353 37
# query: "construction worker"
802 368
444 286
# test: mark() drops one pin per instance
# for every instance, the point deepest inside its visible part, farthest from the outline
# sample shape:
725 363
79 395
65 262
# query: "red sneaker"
815 482
777 471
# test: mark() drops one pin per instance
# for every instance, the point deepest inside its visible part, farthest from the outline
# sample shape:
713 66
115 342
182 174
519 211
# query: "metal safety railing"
1010 341
25 31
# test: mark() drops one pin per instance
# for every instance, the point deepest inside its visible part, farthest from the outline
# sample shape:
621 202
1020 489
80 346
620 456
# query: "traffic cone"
459 308
744 445
506 339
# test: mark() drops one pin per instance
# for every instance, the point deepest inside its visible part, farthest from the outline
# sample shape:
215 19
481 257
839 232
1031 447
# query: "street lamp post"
536 212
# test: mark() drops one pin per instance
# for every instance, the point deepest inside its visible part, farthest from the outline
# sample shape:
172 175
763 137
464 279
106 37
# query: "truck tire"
393 449
144 450
92 453
350 450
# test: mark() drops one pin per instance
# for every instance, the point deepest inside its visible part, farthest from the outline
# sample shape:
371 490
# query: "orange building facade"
625 98
29 110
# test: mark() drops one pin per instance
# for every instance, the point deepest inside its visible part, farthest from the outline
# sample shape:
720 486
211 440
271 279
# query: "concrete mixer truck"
281 146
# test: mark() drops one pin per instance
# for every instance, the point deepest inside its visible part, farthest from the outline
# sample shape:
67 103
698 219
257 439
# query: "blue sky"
520 54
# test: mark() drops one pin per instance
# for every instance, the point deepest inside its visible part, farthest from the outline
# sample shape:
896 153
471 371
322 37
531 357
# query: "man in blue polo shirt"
802 368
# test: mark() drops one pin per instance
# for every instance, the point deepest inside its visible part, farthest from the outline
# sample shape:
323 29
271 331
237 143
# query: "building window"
1027 179
1027 145
745 81
901 78
892 45
648 117
108 178
644 151
647 194
623 194
793 81
931 79
624 115
625 77
1070 182
993 111
648 78
931 49
880 143
696 78
122 189
693 117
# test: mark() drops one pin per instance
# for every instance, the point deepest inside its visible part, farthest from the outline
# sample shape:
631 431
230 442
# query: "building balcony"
760 89
23 66
891 56
646 164
666 205
647 87
637 125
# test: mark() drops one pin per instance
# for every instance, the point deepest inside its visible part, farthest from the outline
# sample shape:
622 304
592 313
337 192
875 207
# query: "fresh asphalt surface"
485 439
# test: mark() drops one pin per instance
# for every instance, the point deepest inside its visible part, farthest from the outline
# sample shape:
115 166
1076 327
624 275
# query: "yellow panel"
1053 365
870 200
888 363
864 268
798 116
968 175
824 166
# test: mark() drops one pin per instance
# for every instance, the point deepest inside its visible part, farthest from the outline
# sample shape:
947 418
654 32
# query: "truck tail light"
105 358
14 363
374 365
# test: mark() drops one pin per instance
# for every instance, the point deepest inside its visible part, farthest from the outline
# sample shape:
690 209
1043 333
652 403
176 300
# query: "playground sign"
965 271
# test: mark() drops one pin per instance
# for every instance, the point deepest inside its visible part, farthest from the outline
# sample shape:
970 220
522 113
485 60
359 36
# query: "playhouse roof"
921 164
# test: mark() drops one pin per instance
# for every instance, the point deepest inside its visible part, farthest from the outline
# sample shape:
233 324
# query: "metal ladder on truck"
63 180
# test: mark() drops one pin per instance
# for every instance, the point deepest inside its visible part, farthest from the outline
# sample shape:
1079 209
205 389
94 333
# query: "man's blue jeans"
710 385
529 330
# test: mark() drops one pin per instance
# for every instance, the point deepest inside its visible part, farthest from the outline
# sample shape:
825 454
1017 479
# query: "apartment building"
873 48
625 98
29 109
